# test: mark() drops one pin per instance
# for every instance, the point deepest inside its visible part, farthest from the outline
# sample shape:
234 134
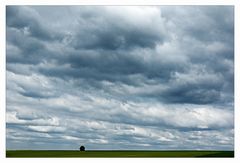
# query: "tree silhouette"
82 148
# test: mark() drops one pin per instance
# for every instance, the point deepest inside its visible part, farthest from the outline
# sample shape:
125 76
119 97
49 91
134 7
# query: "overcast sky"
120 77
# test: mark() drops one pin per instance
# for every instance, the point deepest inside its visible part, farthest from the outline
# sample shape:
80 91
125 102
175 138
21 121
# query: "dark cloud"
141 77
34 94
191 94
197 92
23 49
116 31
112 38
28 20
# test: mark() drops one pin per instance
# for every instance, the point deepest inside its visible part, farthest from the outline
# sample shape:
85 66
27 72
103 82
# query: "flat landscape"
68 153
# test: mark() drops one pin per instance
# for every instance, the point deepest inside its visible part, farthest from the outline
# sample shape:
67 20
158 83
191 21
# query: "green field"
59 153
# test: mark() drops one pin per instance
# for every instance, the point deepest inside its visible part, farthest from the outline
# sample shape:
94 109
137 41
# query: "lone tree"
82 148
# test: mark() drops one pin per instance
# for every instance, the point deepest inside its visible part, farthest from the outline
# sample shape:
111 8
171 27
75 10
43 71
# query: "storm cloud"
117 77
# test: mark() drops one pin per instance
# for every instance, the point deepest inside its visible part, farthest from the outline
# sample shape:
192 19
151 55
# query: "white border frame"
235 3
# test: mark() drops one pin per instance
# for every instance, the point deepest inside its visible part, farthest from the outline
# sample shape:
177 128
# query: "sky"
120 77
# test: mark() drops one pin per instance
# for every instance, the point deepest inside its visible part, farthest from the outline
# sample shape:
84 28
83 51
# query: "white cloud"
47 128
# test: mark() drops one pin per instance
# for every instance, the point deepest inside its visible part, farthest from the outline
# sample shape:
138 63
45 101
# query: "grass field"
58 153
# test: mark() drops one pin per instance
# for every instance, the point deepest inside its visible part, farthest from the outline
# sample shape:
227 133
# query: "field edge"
115 153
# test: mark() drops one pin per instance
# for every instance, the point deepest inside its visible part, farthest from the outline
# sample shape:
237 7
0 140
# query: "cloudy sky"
120 77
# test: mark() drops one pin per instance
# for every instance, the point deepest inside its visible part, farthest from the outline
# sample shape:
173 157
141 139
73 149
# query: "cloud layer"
117 77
